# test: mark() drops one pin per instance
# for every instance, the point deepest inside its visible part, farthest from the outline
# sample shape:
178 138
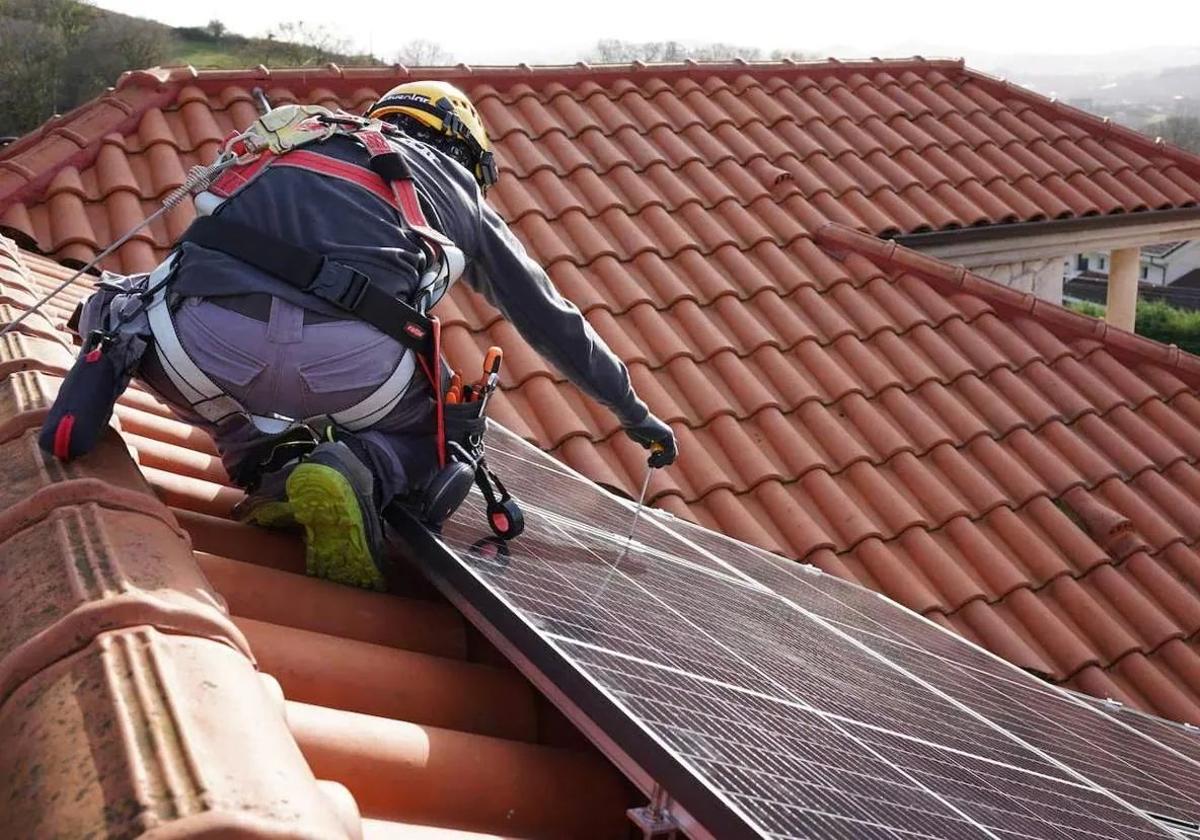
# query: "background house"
1160 265
1168 271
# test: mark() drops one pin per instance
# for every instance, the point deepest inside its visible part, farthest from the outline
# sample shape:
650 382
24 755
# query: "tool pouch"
115 341
465 429
86 398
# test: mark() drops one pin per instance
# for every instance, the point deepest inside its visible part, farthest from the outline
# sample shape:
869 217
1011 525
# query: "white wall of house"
1158 271
1042 277
1038 259
1184 260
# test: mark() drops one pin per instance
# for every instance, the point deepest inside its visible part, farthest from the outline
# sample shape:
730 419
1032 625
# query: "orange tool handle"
491 362
455 393
491 367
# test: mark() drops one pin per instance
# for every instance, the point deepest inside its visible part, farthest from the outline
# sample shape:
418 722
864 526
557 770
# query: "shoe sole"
335 537
272 515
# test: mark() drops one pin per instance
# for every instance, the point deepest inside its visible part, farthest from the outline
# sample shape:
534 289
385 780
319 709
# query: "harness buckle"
340 284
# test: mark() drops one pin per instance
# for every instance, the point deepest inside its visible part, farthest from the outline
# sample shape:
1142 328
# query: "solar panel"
1158 771
770 701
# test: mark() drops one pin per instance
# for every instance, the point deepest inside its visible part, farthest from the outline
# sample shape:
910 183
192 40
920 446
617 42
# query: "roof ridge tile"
1120 341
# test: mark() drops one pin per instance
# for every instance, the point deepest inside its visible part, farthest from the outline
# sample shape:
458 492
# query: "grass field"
207 55
236 51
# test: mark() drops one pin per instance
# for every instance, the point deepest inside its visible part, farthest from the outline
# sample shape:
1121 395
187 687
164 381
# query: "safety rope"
198 178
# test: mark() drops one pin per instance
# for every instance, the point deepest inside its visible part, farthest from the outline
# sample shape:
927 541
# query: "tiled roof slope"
129 702
1019 473
658 156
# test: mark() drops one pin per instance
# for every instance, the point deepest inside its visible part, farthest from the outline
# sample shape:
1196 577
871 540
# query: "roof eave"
996 244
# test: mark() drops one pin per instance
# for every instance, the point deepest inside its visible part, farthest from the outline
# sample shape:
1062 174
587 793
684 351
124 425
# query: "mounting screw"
655 819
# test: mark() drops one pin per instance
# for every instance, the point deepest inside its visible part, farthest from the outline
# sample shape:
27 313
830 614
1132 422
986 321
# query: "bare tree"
422 53
723 52
613 51
793 54
298 43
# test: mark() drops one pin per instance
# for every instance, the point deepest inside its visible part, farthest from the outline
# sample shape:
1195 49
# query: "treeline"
55 54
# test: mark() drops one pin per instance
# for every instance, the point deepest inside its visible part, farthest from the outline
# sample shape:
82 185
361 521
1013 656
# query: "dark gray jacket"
350 225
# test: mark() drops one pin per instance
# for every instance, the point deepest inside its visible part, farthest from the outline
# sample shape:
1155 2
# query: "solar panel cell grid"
782 703
1162 781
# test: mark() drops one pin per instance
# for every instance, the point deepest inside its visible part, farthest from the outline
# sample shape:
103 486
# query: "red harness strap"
433 373
235 178
402 188
401 195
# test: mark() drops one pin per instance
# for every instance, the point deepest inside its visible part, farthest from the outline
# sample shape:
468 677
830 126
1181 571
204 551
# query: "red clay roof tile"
1022 474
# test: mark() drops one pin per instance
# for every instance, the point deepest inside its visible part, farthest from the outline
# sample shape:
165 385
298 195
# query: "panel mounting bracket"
655 819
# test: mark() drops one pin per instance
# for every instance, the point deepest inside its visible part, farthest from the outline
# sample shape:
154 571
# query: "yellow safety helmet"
447 111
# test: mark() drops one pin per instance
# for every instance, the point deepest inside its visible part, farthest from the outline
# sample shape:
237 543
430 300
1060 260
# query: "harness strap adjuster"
342 285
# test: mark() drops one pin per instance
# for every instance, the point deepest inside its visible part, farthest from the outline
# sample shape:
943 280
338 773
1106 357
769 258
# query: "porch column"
1123 265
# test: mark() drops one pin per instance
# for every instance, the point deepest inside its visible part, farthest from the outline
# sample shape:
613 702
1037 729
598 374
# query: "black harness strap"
342 285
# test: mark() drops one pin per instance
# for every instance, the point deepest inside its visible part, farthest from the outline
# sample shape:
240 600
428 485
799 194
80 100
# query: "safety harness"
276 139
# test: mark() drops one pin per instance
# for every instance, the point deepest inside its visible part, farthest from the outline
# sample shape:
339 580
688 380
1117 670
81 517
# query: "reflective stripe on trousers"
284 366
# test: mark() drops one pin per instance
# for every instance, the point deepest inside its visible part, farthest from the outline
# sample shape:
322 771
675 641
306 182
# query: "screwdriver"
641 503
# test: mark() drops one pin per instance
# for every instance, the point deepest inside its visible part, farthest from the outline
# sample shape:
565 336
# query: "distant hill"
1162 88
56 54
208 48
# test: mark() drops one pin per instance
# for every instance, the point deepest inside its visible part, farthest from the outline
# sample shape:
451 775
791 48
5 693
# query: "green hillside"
56 54
298 45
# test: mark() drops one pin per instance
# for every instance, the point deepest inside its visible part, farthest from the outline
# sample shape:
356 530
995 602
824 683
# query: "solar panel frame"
635 751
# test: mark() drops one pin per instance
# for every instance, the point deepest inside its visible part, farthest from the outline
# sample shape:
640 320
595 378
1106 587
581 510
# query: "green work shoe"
267 505
331 494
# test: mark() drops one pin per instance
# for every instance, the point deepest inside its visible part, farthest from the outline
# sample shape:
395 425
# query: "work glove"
655 435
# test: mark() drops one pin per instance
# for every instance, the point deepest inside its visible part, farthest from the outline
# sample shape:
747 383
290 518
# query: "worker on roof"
291 320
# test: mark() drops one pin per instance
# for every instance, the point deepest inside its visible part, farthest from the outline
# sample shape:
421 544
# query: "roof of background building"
1161 249
1191 280
1020 473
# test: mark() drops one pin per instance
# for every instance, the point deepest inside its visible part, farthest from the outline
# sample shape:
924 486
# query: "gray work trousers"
287 367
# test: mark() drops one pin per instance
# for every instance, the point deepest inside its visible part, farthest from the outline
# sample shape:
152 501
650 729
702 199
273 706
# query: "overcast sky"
508 31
